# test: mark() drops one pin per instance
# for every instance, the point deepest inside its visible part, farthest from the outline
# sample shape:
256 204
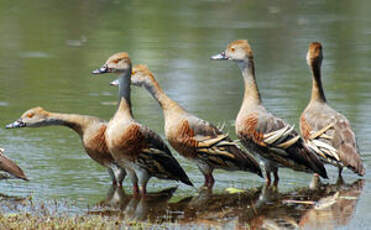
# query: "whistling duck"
91 130
271 138
327 132
10 167
194 138
135 147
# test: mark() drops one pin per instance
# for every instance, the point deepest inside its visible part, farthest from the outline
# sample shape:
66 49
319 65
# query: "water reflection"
334 209
12 203
325 207
153 207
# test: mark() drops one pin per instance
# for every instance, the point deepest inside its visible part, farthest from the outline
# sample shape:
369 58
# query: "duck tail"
315 163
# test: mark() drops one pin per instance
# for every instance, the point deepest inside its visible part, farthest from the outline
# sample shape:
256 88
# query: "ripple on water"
34 54
4 103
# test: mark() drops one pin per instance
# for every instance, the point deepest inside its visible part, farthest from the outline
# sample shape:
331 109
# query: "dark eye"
117 60
232 49
30 115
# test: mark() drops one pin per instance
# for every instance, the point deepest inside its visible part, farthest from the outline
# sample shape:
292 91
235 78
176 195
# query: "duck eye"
133 72
117 60
30 115
232 49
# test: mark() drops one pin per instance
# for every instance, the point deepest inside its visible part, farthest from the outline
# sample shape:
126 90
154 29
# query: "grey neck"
318 93
124 89
251 94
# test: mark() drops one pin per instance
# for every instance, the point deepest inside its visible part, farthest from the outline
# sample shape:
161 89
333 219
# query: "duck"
11 169
193 138
327 132
90 129
262 133
135 147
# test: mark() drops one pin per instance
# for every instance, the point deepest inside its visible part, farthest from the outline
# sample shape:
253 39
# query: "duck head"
314 54
118 63
34 117
238 51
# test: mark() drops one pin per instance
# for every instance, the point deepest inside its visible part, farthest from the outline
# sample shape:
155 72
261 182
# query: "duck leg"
117 174
134 180
135 190
267 176
206 181
340 180
112 175
120 175
207 172
143 178
276 177
211 181
340 171
121 178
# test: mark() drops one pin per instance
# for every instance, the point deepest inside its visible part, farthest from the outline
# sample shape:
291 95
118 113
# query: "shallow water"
48 50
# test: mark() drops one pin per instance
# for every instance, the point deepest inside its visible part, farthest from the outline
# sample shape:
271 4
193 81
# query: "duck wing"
158 160
278 141
218 149
329 134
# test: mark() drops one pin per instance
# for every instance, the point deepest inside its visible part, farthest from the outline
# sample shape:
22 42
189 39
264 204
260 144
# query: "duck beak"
115 83
16 124
101 70
219 57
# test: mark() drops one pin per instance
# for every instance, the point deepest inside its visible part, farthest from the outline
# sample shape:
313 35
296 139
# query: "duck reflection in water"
153 207
305 208
334 209
323 207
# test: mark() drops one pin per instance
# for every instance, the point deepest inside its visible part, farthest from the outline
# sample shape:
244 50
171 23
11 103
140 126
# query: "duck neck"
124 105
166 103
318 94
74 121
251 94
